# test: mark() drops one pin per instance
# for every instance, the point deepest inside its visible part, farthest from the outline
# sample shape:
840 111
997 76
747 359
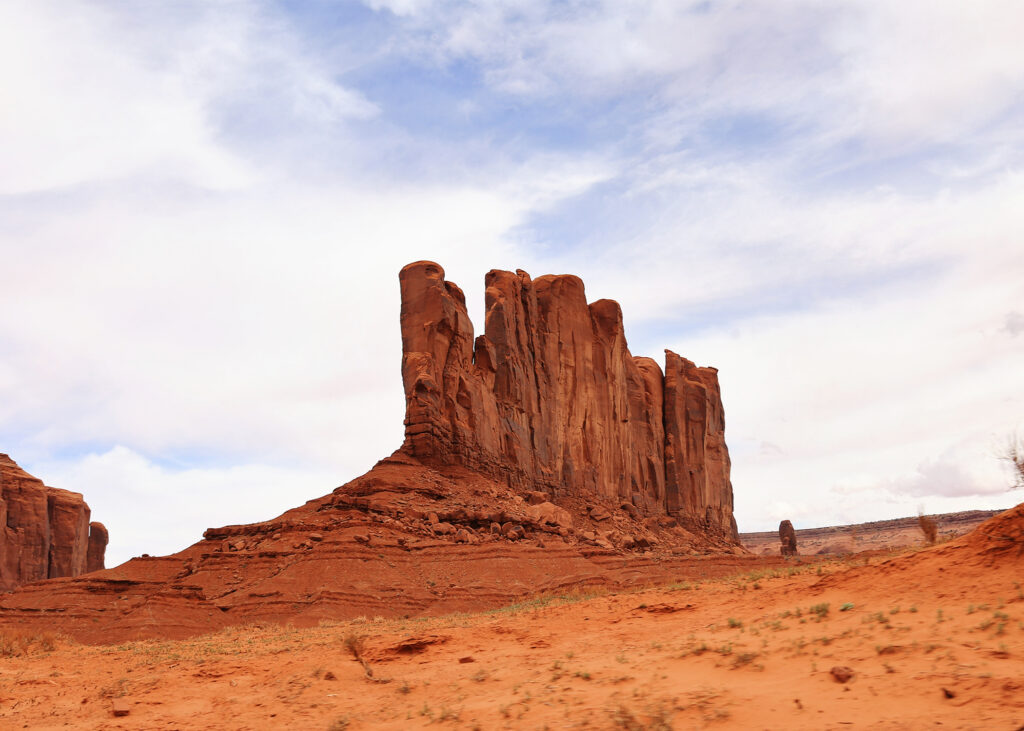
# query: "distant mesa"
46 531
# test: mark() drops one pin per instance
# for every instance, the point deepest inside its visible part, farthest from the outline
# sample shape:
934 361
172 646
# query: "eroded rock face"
550 399
44 532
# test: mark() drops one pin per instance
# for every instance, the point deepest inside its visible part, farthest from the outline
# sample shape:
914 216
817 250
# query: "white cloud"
102 94
206 215
152 509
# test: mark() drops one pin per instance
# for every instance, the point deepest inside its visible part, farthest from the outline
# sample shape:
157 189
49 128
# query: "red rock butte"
46 533
538 457
549 398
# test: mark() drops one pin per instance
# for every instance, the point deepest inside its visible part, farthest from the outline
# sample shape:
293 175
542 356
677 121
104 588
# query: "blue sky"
204 206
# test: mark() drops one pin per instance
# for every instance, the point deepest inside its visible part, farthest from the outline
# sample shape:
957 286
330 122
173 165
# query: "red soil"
930 638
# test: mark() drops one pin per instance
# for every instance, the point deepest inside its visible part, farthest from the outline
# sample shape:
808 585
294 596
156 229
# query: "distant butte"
538 457
45 532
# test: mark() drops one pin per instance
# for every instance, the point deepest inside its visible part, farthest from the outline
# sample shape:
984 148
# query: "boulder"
549 513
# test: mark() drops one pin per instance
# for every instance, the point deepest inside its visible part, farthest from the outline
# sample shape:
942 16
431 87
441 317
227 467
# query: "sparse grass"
744 658
15 644
876 617
928 528
356 645
339 724
1013 455
735 623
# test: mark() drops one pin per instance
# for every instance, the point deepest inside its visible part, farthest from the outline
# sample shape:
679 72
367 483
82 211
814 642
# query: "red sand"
933 639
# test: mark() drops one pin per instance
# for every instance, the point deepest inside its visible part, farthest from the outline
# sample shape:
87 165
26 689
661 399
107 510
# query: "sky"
204 207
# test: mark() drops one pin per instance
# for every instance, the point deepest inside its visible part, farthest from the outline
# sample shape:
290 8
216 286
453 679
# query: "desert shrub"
928 528
14 644
1013 455
355 644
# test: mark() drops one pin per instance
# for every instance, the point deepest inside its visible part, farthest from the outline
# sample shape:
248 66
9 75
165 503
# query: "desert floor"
931 641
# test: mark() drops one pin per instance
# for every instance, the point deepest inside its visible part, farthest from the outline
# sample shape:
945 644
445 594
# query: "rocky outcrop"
538 457
98 538
44 532
787 537
550 399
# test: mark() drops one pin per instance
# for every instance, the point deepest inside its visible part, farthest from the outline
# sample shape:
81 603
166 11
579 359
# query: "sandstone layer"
549 398
405 539
46 532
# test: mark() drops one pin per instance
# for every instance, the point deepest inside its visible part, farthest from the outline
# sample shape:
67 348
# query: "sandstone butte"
46 531
540 456
549 398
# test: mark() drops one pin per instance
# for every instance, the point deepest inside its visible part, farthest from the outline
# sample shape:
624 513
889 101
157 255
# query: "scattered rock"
316 537
535 497
416 645
599 513
443 529
120 707
841 673
513 531
549 513
466 659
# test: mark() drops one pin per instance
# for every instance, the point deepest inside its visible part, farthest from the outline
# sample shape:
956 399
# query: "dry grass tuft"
356 645
16 644
1013 455
928 528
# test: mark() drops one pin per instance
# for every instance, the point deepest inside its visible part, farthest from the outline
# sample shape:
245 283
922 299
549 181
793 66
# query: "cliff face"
44 532
549 398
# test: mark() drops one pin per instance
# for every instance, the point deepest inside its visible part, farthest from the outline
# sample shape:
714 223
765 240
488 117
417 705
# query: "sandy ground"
931 641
